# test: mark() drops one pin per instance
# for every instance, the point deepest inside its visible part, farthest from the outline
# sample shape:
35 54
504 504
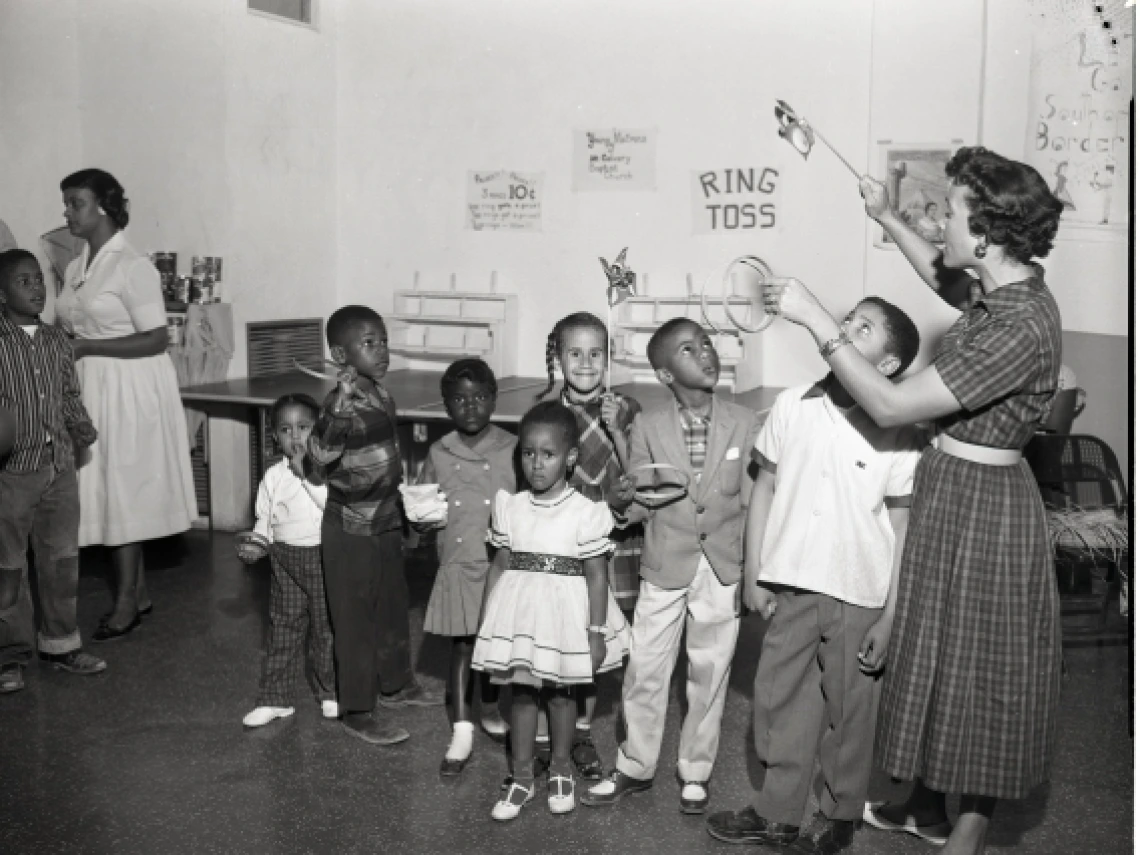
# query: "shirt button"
486 501
824 474
815 512
457 466
704 536
700 509
457 503
486 466
459 540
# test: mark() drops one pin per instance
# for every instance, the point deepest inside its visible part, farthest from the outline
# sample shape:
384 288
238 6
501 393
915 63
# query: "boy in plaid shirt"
361 534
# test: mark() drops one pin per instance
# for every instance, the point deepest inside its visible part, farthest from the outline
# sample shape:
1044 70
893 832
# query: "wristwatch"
829 347
598 629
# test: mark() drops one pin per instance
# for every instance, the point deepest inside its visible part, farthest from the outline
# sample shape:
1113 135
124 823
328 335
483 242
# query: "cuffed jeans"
42 506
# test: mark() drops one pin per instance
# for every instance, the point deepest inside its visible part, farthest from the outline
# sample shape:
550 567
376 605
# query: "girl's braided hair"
578 320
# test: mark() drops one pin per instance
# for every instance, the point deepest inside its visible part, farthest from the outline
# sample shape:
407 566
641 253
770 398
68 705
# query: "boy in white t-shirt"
823 544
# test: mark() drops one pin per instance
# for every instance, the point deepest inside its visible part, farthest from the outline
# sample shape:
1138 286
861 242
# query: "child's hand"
597 650
875 198
611 407
250 553
83 434
346 391
620 495
872 654
759 599
297 461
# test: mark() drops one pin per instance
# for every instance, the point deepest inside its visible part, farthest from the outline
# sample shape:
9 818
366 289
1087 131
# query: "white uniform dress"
534 628
135 482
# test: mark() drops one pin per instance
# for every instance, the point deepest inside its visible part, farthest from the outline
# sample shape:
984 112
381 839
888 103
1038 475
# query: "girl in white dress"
135 482
549 620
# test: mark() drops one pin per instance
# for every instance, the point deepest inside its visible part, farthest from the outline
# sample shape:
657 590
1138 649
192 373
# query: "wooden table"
233 407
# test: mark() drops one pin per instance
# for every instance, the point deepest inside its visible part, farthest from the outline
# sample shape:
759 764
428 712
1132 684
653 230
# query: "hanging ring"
760 267
649 494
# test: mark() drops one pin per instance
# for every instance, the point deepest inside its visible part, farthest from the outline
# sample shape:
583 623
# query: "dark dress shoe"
747 826
106 632
824 836
141 613
450 768
621 786
585 756
695 806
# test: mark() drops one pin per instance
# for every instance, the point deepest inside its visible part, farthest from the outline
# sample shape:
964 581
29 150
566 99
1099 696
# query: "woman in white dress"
135 482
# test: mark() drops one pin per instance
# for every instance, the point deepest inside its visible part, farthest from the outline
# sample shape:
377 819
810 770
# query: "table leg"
231 494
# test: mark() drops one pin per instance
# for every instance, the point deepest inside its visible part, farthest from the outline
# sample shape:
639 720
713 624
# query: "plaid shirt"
1001 360
38 381
360 456
695 432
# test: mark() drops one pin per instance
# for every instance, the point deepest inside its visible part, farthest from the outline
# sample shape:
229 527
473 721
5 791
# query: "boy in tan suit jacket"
691 565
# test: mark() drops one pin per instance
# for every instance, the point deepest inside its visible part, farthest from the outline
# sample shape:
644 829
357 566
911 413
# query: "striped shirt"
1001 360
360 456
38 381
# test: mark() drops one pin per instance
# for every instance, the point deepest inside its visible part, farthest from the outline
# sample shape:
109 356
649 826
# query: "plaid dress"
970 697
597 469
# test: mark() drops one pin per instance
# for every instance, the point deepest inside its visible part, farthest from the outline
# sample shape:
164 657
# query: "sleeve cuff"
763 462
897 501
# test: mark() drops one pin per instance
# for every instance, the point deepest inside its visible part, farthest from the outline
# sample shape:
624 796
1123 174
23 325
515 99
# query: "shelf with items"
430 328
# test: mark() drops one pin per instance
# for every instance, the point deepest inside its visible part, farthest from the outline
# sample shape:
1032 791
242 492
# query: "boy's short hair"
902 335
469 368
9 259
655 350
344 319
554 414
293 399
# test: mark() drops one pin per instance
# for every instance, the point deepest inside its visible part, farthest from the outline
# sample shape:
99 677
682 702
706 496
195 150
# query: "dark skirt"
974 675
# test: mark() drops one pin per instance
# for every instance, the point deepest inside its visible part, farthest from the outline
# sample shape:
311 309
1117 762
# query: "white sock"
462 737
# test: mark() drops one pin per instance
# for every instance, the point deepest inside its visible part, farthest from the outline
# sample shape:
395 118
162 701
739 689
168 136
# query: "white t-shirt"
288 509
836 474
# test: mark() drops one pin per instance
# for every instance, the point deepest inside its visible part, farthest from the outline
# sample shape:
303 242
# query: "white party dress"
135 482
534 626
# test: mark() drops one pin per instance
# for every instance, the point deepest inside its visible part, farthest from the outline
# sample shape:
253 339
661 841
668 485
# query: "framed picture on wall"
915 175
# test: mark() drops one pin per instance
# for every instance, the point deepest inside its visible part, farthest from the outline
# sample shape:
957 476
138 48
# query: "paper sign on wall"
504 201
615 159
733 200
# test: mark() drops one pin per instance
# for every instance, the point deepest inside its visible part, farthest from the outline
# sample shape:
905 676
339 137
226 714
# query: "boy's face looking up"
690 359
866 326
22 292
470 405
364 346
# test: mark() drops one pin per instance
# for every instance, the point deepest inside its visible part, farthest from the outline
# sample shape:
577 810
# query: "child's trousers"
809 681
42 506
368 604
297 608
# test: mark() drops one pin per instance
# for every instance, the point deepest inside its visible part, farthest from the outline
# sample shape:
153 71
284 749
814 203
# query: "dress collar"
1011 296
550 503
495 438
9 327
113 245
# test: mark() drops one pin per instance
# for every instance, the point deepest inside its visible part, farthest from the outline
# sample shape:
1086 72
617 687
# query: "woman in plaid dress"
969 704
577 344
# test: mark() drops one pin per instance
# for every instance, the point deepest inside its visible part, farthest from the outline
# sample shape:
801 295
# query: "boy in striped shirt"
355 443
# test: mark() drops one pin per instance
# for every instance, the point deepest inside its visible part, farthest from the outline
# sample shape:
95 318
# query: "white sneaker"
511 805
329 709
261 716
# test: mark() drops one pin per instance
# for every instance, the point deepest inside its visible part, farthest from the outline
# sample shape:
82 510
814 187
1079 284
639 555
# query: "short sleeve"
997 358
594 527
499 535
770 440
142 295
904 460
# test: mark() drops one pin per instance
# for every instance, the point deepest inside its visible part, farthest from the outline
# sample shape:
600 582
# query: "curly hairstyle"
109 193
469 368
576 321
1011 206
551 414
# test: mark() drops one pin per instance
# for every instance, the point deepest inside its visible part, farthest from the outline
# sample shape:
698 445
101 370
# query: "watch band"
594 628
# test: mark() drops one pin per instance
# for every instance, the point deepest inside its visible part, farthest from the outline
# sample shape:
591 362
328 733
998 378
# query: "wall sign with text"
504 201
615 159
735 199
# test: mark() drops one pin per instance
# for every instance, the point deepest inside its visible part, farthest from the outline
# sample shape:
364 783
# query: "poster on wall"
1079 90
504 201
735 199
615 159
915 175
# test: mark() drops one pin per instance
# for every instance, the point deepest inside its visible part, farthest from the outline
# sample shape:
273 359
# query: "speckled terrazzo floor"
150 757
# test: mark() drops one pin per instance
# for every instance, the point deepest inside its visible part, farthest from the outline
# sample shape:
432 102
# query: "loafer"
694 797
585 756
105 632
366 727
75 662
449 768
937 834
11 678
497 729
612 788
261 716
747 826
412 695
823 836
513 801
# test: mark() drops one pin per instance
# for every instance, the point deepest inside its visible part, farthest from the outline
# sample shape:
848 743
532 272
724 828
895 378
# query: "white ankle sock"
462 736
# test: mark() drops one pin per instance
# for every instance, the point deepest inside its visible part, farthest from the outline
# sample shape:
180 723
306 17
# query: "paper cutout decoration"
800 135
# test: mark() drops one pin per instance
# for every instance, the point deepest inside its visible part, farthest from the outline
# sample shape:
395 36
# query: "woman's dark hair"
109 193
1011 206
469 368
902 335
552 414
578 320
293 399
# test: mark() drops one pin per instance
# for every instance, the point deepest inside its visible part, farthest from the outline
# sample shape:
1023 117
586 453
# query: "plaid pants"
296 605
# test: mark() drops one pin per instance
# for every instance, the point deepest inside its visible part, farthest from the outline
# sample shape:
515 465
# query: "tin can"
213 268
182 289
175 329
205 292
198 267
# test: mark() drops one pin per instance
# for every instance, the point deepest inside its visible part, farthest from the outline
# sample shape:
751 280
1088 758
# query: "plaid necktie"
695 429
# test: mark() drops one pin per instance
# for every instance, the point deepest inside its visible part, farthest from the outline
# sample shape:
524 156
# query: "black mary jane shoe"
105 632
585 756
694 806
449 768
747 826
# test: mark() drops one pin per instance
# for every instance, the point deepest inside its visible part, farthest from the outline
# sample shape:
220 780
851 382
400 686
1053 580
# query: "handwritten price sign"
504 201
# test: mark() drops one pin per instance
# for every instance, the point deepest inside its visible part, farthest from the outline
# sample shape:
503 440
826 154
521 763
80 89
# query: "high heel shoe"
106 632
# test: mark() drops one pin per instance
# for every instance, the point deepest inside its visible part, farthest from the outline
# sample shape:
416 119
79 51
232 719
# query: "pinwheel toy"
622 284
801 136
